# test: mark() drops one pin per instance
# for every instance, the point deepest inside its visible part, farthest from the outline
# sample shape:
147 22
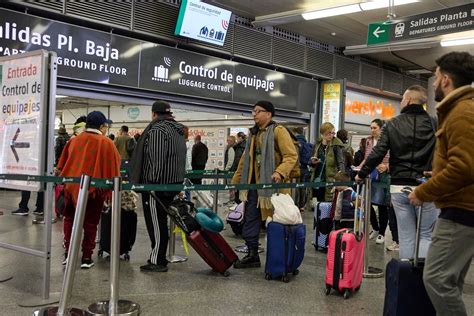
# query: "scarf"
267 160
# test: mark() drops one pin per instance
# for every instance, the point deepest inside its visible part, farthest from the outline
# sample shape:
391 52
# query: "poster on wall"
332 94
215 140
22 118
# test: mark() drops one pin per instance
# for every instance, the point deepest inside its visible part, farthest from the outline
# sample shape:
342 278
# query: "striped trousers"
156 220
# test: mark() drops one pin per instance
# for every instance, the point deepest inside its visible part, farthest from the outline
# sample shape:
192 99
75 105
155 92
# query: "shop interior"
214 125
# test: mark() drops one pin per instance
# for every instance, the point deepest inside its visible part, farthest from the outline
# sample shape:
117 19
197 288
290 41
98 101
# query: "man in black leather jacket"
410 139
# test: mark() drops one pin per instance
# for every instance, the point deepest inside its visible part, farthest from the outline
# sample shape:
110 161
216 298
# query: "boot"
251 260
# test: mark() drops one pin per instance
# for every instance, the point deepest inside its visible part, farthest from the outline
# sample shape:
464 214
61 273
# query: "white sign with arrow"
21 118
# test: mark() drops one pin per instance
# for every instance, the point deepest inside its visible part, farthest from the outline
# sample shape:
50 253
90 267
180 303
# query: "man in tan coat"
270 156
452 185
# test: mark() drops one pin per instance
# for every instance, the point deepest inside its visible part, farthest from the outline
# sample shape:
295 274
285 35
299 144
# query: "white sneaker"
373 234
233 207
380 239
393 246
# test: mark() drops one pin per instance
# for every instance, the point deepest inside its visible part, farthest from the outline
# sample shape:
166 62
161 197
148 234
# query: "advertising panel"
331 100
362 108
22 115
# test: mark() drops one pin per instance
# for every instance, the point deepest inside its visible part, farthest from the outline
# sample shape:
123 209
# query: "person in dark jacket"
239 149
61 141
411 140
359 155
301 196
199 156
161 150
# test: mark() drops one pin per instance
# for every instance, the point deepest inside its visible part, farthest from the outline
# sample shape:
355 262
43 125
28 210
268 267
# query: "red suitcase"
213 248
344 261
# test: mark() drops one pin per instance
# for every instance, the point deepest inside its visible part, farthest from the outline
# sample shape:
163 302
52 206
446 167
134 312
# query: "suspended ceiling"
347 30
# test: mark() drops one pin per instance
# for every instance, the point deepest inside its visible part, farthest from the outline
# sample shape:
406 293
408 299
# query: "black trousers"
379 224
199 179
25 198
156 220
252 220
392 223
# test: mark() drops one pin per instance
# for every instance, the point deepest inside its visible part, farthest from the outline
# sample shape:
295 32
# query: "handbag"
237 215
285 211
59 197
235 218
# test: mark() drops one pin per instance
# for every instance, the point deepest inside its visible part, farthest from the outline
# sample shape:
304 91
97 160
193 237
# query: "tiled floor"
187 288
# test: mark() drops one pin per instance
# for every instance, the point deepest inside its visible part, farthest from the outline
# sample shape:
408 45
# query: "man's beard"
439 94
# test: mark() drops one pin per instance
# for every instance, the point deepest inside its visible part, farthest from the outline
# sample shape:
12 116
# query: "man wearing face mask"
410 137
94 154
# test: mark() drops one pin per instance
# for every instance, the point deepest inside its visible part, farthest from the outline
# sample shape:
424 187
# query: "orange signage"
373 108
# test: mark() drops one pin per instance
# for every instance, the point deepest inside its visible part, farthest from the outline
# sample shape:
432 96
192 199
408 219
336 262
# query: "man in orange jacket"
94 154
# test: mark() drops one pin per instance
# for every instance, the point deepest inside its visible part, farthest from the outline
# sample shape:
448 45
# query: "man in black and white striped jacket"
162 152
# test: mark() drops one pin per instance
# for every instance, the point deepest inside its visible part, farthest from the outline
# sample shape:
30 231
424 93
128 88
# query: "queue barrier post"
369 272
172 257
73 254
114 306
215 203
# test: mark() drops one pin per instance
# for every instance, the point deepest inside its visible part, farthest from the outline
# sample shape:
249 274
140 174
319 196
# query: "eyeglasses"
255 112
330 133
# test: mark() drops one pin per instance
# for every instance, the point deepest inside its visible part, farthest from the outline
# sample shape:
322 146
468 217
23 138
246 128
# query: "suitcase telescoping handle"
418 233
357 214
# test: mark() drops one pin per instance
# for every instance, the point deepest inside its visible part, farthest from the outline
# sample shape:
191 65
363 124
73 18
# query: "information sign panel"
22 117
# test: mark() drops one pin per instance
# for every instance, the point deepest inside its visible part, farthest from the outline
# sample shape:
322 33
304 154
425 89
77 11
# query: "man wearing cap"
94 154
159 158
269 156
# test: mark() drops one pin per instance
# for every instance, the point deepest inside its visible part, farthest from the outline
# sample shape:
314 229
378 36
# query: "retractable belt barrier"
108 184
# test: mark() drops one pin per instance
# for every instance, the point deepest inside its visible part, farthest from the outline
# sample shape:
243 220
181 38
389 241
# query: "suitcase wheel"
328 289
268 276
347 293
100 253
357 288
296 272
285 278
226 273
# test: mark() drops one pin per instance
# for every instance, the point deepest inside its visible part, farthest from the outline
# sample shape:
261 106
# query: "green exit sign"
378 33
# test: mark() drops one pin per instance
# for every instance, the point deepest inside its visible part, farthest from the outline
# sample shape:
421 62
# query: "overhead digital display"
202 22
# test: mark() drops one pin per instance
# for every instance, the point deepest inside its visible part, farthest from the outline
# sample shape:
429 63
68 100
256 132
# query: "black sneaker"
38 212
87 264
151 267
20 212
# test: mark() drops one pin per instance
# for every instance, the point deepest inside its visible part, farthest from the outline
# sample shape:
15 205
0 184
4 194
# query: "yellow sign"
331 103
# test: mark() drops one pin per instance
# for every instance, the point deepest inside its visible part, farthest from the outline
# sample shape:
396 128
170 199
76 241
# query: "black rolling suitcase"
405 293
128 232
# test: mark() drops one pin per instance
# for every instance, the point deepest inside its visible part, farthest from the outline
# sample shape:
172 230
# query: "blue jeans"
406 222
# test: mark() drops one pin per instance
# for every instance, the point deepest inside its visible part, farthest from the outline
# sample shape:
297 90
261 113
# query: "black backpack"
183 214
130 146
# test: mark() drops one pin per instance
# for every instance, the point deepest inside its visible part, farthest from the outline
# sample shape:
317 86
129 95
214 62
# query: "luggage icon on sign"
161 74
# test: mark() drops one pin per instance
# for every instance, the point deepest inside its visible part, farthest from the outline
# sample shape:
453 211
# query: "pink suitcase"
344 261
